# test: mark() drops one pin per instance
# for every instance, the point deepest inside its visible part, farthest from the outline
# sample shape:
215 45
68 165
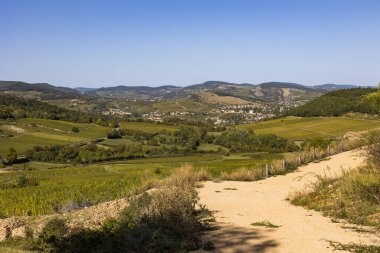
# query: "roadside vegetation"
355 196
168 219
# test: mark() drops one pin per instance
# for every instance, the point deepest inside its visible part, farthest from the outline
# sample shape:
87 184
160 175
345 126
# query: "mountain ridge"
266 92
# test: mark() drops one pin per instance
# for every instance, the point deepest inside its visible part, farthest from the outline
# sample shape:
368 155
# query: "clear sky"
103 43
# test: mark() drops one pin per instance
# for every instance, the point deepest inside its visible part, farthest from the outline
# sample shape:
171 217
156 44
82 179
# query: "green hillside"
297 128
23 134
337 103
37 90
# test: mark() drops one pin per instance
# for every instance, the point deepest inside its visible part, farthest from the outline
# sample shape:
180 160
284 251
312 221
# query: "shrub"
51 237
373 147
11 156
168 219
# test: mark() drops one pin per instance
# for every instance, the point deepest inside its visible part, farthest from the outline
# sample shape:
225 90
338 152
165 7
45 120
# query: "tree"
11 156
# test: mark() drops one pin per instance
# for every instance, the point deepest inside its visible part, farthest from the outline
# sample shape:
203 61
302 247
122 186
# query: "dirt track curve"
300 230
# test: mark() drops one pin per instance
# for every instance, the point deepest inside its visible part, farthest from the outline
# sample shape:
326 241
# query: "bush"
167 219
373 147
51 237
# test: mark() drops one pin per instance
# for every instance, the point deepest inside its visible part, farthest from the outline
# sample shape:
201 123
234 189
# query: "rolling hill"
41 91
265 92
268 92
330 87
337 103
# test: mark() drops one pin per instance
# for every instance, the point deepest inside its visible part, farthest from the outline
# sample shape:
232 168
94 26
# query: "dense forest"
337 103
12 107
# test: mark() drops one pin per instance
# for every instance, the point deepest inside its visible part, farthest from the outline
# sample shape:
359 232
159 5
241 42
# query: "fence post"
267 170
299 158
328 150
284 164
313 154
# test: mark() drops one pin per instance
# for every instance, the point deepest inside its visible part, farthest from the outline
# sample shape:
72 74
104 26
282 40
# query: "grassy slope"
148 127
46 132
307 128
354 196
96 183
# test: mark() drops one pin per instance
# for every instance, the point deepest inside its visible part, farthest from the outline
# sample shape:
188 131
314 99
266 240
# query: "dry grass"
244 174
355 196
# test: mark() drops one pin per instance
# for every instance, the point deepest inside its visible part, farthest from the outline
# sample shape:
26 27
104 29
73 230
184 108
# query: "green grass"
210 147
93 184
265 223
98 182
148 127
357 248
46 132
307 128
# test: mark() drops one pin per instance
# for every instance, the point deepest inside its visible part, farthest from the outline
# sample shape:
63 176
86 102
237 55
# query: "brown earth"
239 204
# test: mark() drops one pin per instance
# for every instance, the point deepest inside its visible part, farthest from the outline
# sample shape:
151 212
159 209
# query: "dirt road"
239 204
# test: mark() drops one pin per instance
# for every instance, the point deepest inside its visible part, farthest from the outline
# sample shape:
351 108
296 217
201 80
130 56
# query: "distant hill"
284 85
337 103
18 107
138 92
330 87
265 92
85 89
42 91
269 92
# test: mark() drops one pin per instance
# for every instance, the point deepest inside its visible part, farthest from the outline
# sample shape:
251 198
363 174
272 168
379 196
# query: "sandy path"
301 230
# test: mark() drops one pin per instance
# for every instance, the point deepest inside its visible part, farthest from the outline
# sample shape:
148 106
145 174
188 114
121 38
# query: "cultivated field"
147 127
23 134
41 190
307 128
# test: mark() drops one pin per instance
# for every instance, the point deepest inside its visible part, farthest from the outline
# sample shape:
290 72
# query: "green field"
181 105
50 185
147 127
307 128
101 182
30 132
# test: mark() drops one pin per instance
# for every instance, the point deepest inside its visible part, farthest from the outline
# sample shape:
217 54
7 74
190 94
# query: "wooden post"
299 158
283 164
313 154
328 150
267 170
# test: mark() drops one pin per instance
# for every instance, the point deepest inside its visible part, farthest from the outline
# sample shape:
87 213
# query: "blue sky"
157 42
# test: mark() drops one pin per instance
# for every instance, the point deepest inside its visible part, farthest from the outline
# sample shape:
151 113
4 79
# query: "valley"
64 155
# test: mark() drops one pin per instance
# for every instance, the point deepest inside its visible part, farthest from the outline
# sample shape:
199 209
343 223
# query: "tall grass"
168 219
355 196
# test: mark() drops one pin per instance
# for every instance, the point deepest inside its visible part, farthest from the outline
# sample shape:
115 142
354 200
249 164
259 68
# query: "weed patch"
265 223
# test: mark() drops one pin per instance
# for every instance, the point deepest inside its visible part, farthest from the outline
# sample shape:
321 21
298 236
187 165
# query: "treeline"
248 141
85 154
186 137
337 103
12 107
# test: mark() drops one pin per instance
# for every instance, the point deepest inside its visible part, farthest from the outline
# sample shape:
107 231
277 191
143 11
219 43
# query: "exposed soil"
300 230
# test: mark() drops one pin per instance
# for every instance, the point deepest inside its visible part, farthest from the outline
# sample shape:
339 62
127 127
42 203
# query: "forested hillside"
339 102
16 107
42 91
